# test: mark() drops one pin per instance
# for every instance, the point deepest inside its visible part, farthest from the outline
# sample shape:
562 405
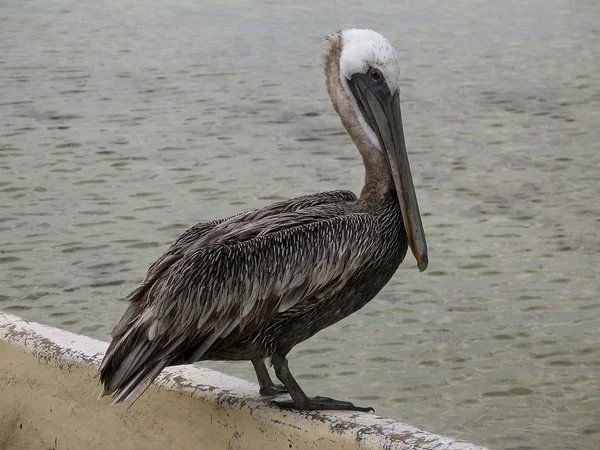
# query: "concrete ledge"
48 399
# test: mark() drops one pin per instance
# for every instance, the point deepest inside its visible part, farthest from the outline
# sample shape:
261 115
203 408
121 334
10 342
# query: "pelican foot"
322 403
272 389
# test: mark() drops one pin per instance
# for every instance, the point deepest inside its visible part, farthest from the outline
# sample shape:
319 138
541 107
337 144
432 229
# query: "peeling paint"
228 394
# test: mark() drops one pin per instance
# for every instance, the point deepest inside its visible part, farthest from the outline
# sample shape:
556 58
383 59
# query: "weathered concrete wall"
48 400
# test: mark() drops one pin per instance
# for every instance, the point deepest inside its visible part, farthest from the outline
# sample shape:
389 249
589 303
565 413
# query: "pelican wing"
227 286
231 227
233 289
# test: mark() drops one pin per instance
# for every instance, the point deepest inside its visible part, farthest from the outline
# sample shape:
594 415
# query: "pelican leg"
299 398
267 387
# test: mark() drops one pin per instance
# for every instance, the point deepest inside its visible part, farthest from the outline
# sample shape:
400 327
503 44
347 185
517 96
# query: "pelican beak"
381 111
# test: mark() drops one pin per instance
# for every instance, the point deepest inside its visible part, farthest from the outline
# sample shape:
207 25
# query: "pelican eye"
375 75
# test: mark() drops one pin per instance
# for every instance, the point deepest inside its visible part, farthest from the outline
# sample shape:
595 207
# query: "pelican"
252 286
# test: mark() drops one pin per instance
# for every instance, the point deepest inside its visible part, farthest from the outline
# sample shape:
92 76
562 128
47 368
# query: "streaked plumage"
252 286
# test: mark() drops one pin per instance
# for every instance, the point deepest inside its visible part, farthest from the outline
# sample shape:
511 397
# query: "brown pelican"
252 286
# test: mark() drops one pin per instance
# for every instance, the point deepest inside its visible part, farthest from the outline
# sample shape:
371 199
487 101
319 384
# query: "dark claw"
322 403
274 389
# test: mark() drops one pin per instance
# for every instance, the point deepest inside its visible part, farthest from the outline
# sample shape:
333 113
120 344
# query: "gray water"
122 123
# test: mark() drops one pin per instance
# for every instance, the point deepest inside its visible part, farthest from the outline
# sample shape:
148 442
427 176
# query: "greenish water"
122 123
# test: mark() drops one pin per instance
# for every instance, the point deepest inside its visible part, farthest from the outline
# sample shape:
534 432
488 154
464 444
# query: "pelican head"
363 80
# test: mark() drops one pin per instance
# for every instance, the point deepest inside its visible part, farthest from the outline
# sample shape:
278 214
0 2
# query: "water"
122 123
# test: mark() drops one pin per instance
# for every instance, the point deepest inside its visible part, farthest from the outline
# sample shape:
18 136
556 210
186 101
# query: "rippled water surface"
122 123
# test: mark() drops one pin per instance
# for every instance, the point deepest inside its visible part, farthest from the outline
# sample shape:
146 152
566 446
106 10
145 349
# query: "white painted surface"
254 416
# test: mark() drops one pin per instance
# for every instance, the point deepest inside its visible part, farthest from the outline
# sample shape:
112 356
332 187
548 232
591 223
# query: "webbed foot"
322 403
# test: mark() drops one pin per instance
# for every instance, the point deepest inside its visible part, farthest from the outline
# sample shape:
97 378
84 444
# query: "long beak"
381 111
